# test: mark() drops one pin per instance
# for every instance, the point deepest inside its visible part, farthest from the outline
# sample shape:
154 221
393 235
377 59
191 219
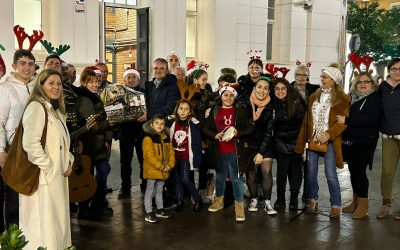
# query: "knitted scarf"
355 95
319 115
260 105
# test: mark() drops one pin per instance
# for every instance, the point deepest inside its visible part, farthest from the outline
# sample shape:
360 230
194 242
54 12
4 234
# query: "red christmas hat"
131 71
194 65
93 68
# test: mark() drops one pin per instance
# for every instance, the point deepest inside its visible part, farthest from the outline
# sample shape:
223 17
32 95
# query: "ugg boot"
353 205
239 211
362 208
385 210
218 204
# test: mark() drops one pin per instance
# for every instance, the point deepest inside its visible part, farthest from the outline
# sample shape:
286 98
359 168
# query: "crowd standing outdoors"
237 130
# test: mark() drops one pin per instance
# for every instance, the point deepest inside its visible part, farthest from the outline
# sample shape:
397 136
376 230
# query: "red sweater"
225 119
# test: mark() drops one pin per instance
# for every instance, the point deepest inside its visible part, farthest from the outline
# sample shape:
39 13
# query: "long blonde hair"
38 92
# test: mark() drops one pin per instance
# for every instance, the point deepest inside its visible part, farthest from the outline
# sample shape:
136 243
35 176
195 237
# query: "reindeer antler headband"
255 55
21 36
298 63
358 60
50 49
274 71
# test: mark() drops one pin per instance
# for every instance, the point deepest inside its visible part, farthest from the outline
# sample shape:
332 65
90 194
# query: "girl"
186 141
232 152
158 160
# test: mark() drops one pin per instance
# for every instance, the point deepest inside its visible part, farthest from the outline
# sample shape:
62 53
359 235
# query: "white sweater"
13 97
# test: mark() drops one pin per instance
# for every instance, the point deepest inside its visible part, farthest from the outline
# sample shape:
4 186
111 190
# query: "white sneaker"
253 205
268 207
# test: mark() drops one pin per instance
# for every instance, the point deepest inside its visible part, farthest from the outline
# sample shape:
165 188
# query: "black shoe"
152 218
109 190
162 213
73 208
89 215
124 193
294 204
168 204
197 206
108 211
279 204
180 206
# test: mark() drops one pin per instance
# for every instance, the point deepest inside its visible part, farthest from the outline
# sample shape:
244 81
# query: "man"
130 137
72 73
162 92
173 61
53 61
180 73
390 128
301 81
14 93
104 83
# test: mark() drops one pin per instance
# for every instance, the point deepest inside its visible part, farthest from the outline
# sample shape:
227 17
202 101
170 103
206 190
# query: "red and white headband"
231 89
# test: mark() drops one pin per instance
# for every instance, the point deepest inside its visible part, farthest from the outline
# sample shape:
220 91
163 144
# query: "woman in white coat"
44 215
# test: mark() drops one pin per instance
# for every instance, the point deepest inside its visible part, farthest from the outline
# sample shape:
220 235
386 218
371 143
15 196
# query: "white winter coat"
13 97
44 216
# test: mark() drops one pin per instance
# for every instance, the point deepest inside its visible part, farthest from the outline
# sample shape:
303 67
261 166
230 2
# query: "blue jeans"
228 168
330 173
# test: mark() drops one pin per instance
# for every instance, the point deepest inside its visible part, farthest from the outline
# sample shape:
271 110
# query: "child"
232 153
158 160
186 140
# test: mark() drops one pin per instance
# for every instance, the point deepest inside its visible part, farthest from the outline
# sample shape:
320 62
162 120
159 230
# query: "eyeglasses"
280 89
394 70
364 82
301 75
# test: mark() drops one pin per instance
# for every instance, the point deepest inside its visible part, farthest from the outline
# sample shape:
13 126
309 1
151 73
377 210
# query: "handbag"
18 172
317 146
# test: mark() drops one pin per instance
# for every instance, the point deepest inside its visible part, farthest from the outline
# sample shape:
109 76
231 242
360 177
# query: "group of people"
236 130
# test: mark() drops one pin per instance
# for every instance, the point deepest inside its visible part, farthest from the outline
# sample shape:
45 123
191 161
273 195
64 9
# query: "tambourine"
229 134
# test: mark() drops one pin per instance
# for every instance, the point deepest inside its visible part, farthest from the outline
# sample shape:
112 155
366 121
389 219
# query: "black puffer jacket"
286 129
161 100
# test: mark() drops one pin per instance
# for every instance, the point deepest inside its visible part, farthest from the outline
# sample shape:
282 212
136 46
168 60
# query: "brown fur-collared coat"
340 106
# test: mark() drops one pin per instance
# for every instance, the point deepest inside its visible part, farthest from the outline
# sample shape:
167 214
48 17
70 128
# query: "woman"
320 127
360 138
289 112
261 143
247 82
44 216
231 152
96 142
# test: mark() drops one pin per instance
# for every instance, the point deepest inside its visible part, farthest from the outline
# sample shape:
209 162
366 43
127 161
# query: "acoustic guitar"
82 184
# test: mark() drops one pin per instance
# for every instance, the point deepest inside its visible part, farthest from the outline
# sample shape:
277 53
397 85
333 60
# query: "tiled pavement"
126 229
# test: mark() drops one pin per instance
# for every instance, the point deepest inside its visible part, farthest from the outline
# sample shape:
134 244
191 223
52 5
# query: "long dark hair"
189 118
293 97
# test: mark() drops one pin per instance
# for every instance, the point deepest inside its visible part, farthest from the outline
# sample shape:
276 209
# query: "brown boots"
239 211
217 205
353 205
362 208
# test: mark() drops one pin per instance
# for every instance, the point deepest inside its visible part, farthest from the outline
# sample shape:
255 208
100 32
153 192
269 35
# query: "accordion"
123 104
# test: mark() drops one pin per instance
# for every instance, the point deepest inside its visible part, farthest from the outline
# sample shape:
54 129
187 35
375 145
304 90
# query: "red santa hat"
131 71
231 88
93 68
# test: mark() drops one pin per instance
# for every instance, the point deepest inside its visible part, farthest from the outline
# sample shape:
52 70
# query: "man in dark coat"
301 82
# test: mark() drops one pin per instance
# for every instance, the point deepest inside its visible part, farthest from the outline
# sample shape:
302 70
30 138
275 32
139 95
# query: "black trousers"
289 166
127 148
9 206
358 156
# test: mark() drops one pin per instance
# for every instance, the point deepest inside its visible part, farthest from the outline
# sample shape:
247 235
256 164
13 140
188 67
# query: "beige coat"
44 216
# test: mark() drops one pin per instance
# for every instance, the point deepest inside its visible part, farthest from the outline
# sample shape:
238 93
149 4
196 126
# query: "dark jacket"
94 140
246 85
364 120
195 145
244 127
390 123
287 129
310 88
161 100
203 100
